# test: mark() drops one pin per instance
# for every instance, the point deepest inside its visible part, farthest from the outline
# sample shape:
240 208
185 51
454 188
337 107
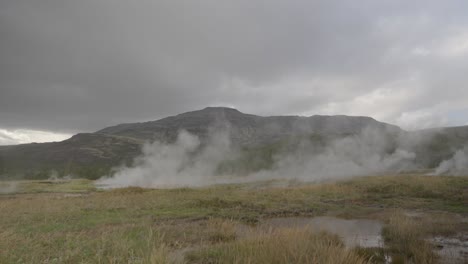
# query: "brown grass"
405 238
112 245
280 246
42 223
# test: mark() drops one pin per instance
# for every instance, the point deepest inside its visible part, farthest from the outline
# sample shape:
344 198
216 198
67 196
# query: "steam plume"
188 162
457 165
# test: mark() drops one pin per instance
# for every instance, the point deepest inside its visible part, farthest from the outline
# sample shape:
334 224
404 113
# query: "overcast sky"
69 66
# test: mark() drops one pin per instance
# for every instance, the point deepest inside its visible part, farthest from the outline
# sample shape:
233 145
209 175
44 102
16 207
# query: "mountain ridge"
251 128
92 155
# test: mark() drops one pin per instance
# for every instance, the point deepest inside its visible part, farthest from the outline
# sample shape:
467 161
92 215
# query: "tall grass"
280 246
42 223
405 238
115 245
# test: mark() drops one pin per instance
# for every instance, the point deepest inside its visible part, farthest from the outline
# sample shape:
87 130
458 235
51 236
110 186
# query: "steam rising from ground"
8 187
363 154
457 165
181 163
188 162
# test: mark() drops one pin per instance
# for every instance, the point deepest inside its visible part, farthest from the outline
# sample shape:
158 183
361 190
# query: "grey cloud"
82 65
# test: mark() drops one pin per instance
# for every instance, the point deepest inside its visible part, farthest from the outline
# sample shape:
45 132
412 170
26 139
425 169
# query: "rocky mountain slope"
92 155
86 155
245 128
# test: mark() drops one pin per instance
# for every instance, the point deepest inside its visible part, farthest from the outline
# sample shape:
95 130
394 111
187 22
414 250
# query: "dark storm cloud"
81 65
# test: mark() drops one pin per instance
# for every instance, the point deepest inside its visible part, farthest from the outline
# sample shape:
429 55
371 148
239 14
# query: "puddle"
364 233
452 250
354 232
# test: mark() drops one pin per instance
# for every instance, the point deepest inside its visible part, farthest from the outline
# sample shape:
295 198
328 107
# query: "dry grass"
44 223
112 245
405 238
280 246
220 230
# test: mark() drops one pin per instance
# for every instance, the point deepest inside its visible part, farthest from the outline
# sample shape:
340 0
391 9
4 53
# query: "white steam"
362 154
55 177
178 164
8 187
188 163
457 165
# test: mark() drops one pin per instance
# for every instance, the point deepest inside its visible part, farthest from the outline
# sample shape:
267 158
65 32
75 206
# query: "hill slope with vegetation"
258 140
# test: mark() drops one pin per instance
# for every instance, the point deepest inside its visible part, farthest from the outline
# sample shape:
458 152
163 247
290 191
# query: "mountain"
87 155
433 146
92 155
245 129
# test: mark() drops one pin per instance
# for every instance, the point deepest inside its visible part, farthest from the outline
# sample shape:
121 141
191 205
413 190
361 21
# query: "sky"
70 66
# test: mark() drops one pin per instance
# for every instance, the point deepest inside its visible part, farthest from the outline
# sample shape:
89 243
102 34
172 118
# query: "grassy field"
73 222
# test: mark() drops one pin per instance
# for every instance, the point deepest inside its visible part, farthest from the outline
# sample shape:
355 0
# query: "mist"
192 162
456 166
8 187
367 153
183 163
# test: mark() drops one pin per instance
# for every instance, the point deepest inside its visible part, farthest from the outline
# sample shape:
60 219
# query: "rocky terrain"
91 155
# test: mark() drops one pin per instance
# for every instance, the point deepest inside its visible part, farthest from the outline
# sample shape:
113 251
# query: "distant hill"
92 155
437 144
245 128
86 155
